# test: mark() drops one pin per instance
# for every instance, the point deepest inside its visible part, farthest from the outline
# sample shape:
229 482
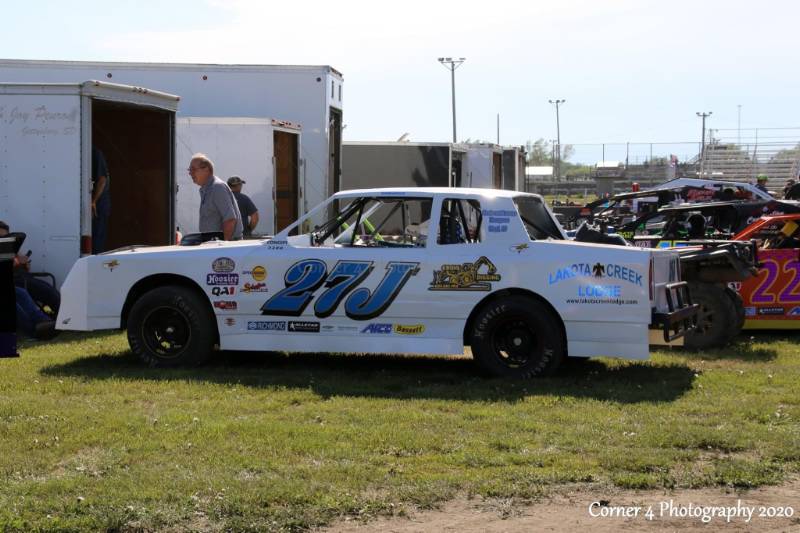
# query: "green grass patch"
91 439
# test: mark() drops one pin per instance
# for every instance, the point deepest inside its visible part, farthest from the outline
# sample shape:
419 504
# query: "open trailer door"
134 128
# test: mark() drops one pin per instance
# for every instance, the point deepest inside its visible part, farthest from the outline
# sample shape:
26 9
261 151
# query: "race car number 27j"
305 277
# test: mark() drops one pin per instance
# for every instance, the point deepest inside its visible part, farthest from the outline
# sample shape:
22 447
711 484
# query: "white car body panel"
421 317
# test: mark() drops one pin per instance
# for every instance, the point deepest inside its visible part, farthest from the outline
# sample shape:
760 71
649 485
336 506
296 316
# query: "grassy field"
90 439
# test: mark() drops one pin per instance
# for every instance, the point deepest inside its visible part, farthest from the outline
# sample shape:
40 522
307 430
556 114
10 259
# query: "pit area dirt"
568 509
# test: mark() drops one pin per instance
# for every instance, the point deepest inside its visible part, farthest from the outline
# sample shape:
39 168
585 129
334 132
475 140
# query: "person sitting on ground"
39 290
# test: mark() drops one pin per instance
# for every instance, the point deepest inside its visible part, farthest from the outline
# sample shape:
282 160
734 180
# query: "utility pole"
452 63
558 137
498 128
703 115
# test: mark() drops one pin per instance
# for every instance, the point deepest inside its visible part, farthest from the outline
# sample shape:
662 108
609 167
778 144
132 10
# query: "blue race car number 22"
305 277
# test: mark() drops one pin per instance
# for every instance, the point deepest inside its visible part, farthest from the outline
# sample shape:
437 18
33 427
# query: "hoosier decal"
222 279
465 277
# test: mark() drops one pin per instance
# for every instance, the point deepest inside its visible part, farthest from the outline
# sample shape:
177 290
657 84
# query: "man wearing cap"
218 209
761 183
247 208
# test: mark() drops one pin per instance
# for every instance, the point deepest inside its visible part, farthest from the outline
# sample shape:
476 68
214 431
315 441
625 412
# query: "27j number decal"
305 277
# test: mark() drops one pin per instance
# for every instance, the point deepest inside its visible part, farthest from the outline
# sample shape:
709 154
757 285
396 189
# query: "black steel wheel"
517 337
172 326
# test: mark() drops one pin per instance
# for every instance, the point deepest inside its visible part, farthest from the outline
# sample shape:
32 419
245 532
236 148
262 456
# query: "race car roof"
432 191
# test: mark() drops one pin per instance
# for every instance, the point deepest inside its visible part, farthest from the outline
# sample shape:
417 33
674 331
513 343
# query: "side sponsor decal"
519 248
498 219
254 287
276 245
465 277
378 328
258 273
304 327
749 311
306 277
795 311
230 322
223 264
266 325
597 270
225 305
771 311
222 279
415 329
111 265
223 291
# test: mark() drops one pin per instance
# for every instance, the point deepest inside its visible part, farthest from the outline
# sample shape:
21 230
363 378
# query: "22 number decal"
305 277
765 292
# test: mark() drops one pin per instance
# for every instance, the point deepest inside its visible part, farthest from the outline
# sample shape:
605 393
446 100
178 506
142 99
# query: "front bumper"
681 316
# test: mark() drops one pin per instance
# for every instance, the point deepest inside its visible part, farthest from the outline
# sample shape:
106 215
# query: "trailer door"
287 187
238 147
40 172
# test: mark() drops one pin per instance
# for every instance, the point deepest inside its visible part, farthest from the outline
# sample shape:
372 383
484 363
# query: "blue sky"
630 70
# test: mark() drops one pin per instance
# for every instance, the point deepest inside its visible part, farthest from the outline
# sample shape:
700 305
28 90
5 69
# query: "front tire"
716 320
517 337
172 326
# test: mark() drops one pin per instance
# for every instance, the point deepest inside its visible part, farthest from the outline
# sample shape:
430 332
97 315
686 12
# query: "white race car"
411 270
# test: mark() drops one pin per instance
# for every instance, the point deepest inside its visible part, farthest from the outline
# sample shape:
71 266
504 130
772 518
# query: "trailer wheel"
715 319
516 337
171 326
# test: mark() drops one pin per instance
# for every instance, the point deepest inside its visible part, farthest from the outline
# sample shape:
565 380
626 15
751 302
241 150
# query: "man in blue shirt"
101 201
247 208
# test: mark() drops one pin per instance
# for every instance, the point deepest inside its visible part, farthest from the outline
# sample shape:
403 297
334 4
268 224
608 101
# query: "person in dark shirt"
246 206
761 183
101 201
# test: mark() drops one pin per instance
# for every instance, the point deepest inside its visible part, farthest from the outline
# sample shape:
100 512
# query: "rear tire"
517 337
172 326
717 319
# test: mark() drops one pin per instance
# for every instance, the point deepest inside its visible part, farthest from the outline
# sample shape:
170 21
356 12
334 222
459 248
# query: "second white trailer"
263 152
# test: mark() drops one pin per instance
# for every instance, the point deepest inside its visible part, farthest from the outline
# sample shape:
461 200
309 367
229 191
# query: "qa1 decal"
465 277
305 277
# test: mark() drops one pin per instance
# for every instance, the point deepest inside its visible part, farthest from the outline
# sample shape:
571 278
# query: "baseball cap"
761 177
235 180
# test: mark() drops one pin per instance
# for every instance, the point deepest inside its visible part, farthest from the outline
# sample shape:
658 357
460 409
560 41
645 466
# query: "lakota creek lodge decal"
596 271
465 277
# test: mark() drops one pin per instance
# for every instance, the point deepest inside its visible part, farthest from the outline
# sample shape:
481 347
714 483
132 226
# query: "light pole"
739 124
703 115
452 63
558 137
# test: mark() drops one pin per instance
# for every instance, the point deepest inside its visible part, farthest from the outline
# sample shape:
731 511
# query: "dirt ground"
569 510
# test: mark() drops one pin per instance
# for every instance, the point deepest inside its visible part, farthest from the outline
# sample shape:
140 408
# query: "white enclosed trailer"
47 133
483 166
307 95
263 152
